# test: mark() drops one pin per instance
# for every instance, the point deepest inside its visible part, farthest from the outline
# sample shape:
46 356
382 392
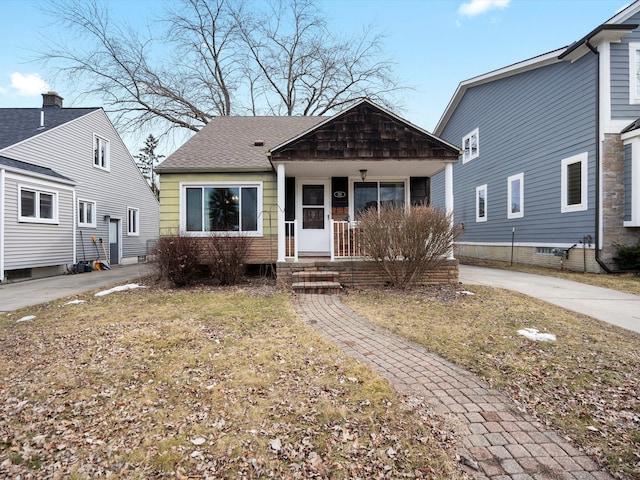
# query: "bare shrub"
405 245
226 256
178 259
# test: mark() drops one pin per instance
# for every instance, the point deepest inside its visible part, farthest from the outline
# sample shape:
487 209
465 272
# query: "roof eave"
606 32
178 170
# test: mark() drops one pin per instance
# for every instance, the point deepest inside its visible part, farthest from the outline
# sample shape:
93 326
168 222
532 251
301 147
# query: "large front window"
222 208
371 194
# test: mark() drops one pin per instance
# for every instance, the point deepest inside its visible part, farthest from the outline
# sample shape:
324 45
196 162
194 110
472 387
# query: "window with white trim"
133 222
373 194
86 213
223 207
481 203
470 146
37 206
574 183
515 196
634 73
101 152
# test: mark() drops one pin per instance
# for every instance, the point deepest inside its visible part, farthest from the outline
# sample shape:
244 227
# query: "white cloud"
28 85
478 7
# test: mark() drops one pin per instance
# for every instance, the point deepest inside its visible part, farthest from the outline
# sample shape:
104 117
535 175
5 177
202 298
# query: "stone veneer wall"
614 231
362 273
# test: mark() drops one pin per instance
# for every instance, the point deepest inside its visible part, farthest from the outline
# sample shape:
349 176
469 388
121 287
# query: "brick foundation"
361 273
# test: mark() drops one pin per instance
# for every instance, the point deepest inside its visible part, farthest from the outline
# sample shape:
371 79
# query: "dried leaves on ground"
585 384
200 383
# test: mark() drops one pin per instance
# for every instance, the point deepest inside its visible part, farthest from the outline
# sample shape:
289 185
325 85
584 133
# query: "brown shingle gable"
229 143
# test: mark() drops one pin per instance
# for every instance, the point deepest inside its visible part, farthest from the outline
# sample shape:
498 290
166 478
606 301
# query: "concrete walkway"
31 292
617 308
497 439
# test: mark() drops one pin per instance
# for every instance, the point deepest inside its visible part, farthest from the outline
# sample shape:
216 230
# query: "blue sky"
436 44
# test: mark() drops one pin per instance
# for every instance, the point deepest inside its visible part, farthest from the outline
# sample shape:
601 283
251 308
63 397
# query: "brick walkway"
502 442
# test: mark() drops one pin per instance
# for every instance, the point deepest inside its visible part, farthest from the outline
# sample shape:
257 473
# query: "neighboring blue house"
551 153
66 178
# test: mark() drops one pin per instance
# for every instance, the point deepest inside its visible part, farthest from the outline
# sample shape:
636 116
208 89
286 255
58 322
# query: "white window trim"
91 224
183 207
136 224
354 180
634 98
467 158
478 190
635 184
519 177
37 218
107 162
583 205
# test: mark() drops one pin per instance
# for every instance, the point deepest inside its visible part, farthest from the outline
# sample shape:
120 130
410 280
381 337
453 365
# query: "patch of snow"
466 292
74 302
533 334
120 288
25 319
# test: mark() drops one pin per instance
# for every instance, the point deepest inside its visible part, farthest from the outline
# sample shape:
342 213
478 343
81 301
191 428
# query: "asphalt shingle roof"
31 168
18 124
230 143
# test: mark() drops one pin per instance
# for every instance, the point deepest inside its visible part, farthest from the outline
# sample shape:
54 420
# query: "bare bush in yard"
178 259
226 256
407 244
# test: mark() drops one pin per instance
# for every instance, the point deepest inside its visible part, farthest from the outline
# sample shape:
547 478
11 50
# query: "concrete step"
322 287
315 276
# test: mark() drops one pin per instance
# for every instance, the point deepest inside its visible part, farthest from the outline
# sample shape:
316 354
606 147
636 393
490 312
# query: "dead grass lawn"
586 384
199 384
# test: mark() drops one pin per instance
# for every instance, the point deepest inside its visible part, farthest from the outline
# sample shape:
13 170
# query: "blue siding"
627 182
528 123
620 107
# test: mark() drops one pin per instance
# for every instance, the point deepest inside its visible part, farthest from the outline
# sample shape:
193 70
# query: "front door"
314 216
114 241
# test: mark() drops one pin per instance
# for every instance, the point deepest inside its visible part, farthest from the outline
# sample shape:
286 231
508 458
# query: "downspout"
604 266
598 146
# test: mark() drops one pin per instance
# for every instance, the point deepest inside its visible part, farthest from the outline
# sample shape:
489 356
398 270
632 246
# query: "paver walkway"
504 442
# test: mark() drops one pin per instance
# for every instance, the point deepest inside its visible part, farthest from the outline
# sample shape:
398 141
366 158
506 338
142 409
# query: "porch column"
448 196
281 218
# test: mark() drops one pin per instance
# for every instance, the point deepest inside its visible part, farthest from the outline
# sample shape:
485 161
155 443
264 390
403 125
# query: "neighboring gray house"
551 153
66 178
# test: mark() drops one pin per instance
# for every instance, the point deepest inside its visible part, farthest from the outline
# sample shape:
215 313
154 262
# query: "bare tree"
304 69
217 57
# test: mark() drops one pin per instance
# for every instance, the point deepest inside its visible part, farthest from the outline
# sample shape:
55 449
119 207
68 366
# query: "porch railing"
290 246
345 240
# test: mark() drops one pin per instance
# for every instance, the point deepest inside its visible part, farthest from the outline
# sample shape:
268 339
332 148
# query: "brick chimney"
51 99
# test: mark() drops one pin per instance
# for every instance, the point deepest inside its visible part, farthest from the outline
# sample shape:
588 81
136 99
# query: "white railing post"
448 201
332 239
282 234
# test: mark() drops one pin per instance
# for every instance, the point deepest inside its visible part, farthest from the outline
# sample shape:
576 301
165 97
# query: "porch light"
363 174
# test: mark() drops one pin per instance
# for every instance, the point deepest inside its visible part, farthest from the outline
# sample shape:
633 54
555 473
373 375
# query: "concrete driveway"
31 292
621 309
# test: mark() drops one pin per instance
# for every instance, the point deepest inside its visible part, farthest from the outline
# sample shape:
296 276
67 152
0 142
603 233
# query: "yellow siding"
170 197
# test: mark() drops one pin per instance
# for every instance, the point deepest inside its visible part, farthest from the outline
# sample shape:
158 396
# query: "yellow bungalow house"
295 184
